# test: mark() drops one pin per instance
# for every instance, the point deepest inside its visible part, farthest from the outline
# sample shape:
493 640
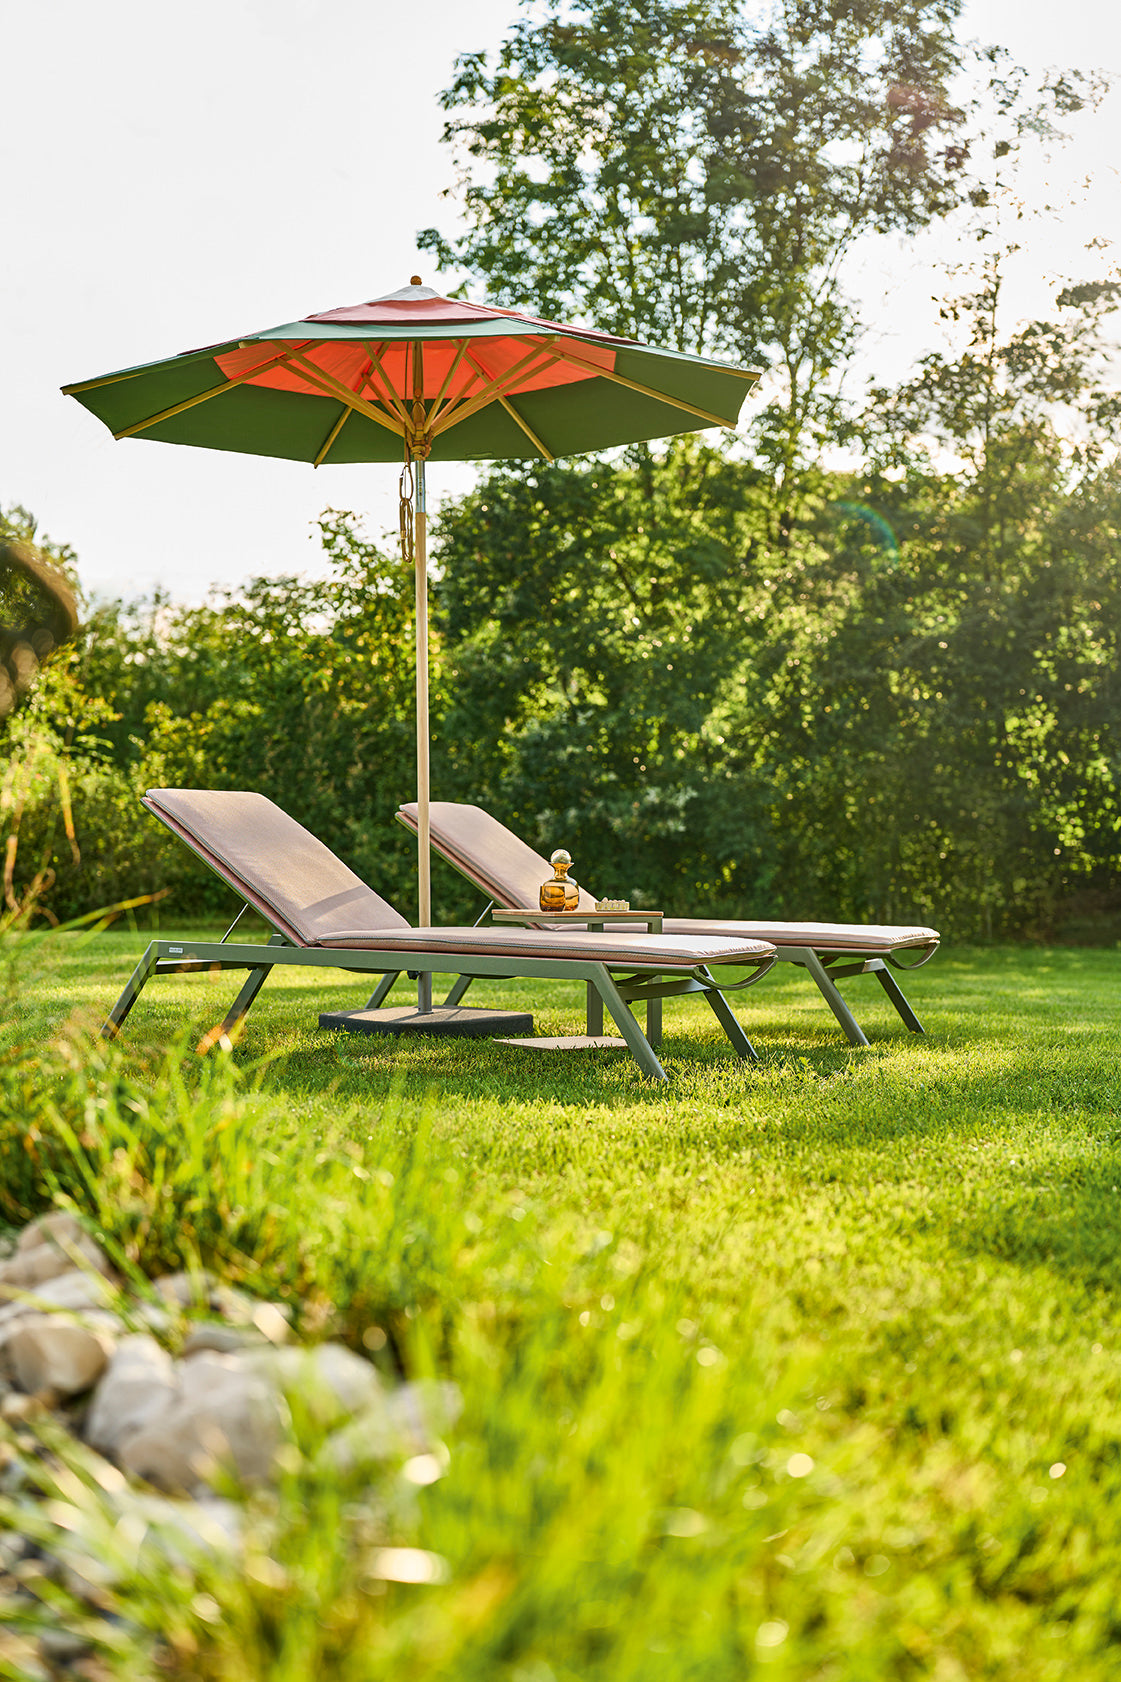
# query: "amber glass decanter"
558 893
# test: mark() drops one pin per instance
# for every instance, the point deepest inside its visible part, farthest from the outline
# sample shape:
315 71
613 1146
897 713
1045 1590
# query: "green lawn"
810 1370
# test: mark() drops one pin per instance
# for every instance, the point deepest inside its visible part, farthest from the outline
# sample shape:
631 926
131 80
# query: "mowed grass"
806 1370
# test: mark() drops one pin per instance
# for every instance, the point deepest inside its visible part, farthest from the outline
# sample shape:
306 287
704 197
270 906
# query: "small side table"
532 917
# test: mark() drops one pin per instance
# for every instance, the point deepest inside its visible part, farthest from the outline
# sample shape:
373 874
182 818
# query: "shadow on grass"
1074 1234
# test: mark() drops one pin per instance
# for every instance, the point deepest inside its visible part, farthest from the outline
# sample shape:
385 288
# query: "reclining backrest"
293 880
487 853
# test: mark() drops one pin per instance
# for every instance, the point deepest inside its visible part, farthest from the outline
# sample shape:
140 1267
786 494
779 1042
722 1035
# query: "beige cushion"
821 937
296 883
511 873
486 852
638 951
312 897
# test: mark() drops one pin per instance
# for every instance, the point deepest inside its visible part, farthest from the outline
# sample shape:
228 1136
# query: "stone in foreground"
138 1386
46 1353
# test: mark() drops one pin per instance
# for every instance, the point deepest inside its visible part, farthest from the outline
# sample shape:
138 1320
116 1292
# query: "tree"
1007 669
590 617
887 720
690 173
299 689
908 712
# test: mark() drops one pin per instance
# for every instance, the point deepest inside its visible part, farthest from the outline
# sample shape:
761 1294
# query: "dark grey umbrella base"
455 1023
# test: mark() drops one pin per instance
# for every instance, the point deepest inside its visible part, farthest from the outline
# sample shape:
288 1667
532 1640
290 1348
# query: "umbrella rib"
204 396
331 436
105 379
344 417
448 378
495 387
388 393
477 392
647 391
530 434
332 387
363 379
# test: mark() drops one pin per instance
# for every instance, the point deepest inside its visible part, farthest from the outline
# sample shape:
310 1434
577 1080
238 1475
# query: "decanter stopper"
558 893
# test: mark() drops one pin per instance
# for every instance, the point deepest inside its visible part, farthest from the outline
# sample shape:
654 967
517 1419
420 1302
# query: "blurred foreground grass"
806 1371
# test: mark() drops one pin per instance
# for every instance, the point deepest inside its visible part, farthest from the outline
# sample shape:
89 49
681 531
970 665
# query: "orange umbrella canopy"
448 379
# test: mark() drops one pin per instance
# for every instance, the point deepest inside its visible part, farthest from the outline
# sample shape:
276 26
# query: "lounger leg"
639 1046
741 1045
240 1008
115 1020
238 1011
382 991
895 993
833 999
459 987
594 1013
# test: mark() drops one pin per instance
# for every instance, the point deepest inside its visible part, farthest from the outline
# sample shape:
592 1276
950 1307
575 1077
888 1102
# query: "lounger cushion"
303 889
504 866
488 853
637 951
296 882
821 937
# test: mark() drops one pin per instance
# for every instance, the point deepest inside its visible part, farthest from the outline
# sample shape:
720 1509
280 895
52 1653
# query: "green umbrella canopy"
452 380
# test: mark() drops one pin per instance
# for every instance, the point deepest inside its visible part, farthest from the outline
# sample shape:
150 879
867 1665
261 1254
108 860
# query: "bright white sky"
175 175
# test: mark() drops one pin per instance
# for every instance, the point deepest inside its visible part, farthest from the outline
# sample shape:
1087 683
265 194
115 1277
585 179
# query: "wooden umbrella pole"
424 857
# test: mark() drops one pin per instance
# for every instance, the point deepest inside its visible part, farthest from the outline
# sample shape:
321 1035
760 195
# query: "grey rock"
16 1409
180 1530
48 1353
222 1338
152 1316
228 1413
331 1380
53 1245
138 1385
406 1421
59 1227
160 1532
233 1305
185 1290
74 1289
224 1417
363 1442
269 1318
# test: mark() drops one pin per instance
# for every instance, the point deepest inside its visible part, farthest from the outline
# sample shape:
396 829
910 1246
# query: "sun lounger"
325 916
510 873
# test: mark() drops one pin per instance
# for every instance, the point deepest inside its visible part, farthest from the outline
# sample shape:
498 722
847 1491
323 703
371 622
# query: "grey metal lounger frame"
617 984
825 964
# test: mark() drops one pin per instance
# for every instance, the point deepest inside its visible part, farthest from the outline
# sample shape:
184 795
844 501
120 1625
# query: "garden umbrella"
416 377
